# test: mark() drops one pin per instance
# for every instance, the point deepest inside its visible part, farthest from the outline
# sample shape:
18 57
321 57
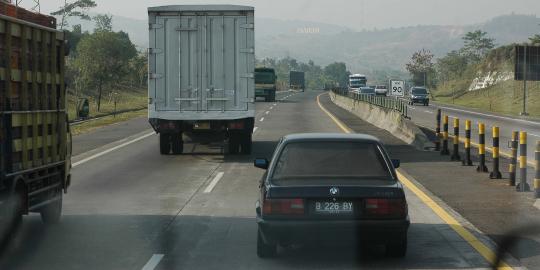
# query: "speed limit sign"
397 88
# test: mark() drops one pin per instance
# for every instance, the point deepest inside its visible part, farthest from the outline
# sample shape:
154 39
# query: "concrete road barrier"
391 120
467 161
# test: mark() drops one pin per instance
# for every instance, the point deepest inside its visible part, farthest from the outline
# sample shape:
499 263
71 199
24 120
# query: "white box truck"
201 64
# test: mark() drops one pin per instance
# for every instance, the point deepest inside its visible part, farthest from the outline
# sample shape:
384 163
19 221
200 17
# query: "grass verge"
105 121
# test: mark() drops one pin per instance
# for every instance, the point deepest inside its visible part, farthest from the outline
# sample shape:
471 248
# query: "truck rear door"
203 63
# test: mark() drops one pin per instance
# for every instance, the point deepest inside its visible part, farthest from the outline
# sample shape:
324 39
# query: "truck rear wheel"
164 143
11 213
51 213
234 144
246 143
177 144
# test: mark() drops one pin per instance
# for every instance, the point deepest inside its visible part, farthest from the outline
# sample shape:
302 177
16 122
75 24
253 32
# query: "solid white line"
111 149
153 262
214 182
255 129
267 112
491 115
262 119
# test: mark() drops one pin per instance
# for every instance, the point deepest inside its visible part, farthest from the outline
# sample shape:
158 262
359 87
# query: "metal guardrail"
390 103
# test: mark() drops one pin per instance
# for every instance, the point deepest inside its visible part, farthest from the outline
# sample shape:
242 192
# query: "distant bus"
356 81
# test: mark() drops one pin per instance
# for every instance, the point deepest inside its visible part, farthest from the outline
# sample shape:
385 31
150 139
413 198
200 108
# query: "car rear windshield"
419 91
264 77
334 161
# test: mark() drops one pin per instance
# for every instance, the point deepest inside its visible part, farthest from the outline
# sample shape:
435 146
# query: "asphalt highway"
131 208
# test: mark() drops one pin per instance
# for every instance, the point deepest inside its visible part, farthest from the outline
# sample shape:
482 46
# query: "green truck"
265 83
35 142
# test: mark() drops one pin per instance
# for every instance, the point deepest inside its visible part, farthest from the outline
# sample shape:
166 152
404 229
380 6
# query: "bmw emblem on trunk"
334 191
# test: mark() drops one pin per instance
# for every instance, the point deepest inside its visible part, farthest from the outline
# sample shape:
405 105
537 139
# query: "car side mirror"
261 163
396 163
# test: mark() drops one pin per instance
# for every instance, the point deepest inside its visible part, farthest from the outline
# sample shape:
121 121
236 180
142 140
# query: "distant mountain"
363 51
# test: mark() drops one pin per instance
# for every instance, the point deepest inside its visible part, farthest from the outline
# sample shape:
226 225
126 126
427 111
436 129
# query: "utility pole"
524 110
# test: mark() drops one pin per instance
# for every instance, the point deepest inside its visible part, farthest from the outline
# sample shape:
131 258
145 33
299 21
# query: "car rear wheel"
164 144
397 249
265 250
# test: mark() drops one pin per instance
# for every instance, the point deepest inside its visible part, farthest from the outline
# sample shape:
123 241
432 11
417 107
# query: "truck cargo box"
201 62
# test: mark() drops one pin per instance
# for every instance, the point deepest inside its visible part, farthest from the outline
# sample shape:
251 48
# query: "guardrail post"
482 148
523 185
513 158
455 153
467 161
438 131
495 174
444 150
537 170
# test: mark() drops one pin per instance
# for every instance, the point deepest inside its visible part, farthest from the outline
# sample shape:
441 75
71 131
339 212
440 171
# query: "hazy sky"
355 14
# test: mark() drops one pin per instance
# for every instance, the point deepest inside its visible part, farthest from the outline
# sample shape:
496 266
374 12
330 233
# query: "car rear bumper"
420 100
378 231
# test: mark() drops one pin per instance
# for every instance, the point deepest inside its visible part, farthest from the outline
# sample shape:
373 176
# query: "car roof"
330 137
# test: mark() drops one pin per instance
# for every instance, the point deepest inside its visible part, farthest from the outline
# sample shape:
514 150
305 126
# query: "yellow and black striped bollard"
467 161
455 152
438 131
513 158
444 150
537 171
482 148
496 173
523 185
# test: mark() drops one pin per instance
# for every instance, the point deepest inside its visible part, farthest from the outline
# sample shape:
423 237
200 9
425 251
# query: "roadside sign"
397 88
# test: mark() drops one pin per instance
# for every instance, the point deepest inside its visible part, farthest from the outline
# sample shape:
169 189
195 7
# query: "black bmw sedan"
330 186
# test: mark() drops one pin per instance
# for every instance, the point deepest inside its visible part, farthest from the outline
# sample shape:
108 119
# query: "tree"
451 66
420 66
535 40
337 72
103 23
477 45
77 8
103 59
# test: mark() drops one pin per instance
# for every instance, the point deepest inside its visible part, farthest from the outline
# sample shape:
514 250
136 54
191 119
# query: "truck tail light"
236 125
283 207
386 208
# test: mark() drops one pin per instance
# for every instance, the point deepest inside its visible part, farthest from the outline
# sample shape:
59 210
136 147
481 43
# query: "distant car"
346 189
367 90
381 90
418 94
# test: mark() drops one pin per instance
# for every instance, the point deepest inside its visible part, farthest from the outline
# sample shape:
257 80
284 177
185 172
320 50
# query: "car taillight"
386 207
283 207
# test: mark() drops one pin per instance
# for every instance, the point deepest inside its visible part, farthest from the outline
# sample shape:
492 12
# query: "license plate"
202 125
326 207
